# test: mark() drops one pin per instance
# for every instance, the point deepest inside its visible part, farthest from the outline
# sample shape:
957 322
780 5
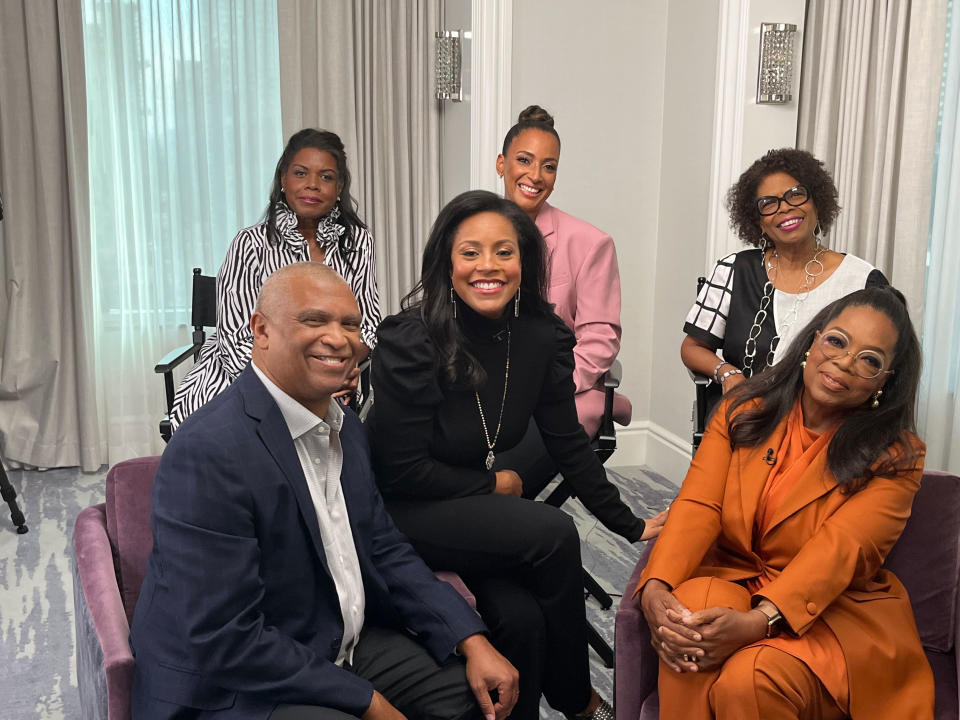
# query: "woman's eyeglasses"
770 204
867 364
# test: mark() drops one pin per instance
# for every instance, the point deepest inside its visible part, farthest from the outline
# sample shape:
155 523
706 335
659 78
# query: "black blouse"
426 436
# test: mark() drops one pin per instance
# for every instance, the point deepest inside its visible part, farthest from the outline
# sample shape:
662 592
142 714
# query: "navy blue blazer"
238 612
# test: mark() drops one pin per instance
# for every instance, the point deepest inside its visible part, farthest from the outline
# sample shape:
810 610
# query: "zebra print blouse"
250 260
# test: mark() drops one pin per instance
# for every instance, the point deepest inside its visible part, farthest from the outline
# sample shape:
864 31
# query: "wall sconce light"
448 65
775 75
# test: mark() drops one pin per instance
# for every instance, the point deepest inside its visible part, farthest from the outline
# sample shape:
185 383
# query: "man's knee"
447 696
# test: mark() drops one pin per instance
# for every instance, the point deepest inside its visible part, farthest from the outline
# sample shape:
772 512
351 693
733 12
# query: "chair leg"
600 646
594 588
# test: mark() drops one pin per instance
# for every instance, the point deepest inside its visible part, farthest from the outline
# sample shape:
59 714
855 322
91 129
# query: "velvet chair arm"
637 665
102 629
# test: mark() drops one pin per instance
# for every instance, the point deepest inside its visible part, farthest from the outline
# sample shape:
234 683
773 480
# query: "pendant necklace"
483 421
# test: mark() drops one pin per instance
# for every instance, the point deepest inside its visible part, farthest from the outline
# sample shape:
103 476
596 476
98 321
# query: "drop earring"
805 356
876 398
818 233
516 305
453 301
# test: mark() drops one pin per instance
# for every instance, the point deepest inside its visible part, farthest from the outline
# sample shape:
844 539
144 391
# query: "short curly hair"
810 172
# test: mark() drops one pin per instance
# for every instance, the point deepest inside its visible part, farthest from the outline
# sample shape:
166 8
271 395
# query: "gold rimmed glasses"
867 364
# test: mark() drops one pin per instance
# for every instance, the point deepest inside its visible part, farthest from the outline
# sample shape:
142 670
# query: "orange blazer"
829 548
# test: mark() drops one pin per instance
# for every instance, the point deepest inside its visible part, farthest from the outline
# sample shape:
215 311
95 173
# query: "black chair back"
708 395
203 309
203 314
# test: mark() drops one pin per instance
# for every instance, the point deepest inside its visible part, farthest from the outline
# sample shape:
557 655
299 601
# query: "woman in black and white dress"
756 300
311 216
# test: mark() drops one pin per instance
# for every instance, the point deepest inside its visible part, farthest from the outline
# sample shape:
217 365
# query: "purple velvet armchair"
927 561
111 543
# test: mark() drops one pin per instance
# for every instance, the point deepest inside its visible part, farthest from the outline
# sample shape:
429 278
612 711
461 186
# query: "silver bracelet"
716 369
728 373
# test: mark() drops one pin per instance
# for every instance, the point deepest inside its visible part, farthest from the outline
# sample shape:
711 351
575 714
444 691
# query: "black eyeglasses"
770 204
868 364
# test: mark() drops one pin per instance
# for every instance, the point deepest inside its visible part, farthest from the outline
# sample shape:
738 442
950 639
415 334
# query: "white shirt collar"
299 419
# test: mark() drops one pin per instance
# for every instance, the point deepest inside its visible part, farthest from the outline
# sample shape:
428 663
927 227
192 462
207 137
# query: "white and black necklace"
483 421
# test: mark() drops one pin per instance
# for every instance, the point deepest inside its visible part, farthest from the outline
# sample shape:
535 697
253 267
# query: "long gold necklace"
486 434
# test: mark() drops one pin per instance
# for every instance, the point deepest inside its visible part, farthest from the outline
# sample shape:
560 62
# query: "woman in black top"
458 374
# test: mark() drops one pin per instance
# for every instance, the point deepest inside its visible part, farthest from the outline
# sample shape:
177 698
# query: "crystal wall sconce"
448 65
775 75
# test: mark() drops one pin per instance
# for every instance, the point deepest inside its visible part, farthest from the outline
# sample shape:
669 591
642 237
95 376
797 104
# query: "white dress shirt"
317 441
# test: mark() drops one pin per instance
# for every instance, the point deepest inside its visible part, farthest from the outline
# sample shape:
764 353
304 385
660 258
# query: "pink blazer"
584 287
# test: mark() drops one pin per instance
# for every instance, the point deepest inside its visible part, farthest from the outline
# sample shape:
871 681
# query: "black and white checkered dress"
250 260
728 302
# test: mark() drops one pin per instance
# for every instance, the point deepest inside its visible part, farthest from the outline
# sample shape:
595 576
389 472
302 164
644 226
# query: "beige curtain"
363 69
868 108
48 414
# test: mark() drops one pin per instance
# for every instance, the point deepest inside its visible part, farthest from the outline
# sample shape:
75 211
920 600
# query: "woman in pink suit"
584 281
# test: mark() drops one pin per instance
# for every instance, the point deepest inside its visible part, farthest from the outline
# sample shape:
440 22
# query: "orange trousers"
753 684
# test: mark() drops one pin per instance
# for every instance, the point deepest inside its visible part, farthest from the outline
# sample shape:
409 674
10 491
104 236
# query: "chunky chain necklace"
811 271
506 379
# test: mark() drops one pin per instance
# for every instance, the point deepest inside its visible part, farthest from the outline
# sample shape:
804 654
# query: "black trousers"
521 559
401 670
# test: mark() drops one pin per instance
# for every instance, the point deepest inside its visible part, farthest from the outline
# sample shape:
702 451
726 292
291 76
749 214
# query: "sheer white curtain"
939 416
868 105
364 69
184 132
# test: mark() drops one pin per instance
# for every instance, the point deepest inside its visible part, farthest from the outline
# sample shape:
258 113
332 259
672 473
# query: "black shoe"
603 711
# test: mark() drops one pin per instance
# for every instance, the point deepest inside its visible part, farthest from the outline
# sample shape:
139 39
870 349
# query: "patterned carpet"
36 590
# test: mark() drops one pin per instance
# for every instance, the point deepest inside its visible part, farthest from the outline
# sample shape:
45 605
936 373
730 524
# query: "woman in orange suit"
765 594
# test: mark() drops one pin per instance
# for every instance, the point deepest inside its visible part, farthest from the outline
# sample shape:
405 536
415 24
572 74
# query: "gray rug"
611 559
36 589
36 594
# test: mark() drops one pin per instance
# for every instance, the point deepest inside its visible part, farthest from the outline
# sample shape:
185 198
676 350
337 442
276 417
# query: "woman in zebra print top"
311 216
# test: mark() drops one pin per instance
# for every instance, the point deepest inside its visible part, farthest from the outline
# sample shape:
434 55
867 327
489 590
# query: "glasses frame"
783 199
843 353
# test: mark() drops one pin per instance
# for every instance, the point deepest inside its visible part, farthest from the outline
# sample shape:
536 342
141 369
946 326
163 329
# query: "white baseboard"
645 442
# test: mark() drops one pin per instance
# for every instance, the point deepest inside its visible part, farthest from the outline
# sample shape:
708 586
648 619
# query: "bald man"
278 586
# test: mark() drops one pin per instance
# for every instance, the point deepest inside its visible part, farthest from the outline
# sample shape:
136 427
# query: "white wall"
686 153
600 70
633 88
455 116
